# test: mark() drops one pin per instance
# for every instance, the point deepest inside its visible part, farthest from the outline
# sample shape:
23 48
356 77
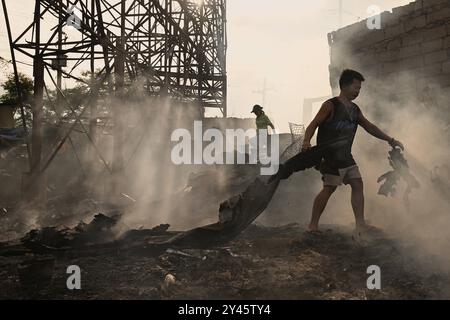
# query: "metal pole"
58 57
200 57
94 111
118 134
225 81
36 133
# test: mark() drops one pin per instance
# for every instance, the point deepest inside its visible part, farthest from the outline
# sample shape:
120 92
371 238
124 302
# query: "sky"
280 42
284 42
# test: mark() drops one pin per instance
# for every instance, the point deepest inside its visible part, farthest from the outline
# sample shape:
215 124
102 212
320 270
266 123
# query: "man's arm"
270 124
377 132
323 114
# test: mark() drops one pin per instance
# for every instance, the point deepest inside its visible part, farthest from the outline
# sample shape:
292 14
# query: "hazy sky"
282 41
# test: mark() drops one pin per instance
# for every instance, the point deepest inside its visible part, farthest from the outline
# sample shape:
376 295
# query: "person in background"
262 123
262 120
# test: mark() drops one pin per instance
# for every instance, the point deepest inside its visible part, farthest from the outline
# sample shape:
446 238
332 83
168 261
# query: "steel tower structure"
170 48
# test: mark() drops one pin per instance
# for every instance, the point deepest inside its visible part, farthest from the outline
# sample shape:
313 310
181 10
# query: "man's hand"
395 143
306 146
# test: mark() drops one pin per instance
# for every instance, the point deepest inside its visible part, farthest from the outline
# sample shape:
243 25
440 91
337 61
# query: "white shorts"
344 176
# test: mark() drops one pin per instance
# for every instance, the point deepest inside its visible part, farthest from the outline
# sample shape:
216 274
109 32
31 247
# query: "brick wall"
408 57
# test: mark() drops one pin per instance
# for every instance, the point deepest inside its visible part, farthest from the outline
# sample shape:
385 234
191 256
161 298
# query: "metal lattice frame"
178 46
171 48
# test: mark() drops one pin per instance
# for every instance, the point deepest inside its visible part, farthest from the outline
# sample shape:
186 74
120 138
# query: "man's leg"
358 201
319 205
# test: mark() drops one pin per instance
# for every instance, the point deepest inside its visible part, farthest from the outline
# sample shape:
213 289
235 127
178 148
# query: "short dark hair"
348 76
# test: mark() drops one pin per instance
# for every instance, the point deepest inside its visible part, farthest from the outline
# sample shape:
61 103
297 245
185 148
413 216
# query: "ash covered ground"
272 259
280 261
262 263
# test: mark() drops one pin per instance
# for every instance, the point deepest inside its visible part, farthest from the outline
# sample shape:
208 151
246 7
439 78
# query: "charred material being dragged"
237 213
310 158
390 179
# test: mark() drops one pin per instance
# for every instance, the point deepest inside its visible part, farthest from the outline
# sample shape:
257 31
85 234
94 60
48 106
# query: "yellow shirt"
262 122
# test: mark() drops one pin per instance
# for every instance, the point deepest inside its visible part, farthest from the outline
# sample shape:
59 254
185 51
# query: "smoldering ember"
224 150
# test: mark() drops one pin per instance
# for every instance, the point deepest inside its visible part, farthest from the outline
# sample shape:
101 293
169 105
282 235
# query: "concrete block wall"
408 57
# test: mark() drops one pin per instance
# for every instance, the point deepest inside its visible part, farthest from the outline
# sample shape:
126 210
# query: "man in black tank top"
339 118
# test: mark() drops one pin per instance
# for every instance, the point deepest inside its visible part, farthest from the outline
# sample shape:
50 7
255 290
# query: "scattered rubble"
262 263
230 259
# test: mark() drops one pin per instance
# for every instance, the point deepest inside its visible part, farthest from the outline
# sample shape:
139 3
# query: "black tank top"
343 123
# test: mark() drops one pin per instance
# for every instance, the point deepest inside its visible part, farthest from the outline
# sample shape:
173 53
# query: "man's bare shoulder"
327 106
324 113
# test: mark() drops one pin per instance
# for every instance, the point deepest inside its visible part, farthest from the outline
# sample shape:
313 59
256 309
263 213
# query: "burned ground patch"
262 263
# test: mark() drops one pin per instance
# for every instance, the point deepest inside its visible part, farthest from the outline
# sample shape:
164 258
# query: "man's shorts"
344 176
